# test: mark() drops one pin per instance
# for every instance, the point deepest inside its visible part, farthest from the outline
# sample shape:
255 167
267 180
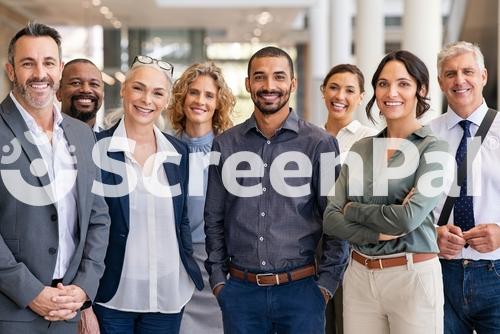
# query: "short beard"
82 116
269 110
21 90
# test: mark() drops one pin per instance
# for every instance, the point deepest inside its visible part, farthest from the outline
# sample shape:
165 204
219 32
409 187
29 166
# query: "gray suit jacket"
29 233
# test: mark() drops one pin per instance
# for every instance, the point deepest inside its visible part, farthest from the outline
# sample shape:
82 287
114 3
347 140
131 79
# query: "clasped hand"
483 238
59 303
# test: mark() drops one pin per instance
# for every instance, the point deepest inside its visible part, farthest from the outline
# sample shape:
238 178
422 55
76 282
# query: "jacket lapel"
124 200
173 178
15 121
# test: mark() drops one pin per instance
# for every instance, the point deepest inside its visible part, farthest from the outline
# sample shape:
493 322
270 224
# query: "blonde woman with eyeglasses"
150 272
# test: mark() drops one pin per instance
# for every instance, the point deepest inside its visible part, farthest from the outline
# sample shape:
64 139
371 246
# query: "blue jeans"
472 296
120 322
294 308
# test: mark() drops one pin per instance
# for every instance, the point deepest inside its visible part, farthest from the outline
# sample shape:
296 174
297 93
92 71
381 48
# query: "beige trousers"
397 300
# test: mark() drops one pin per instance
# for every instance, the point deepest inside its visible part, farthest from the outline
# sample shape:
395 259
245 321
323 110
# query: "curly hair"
225 99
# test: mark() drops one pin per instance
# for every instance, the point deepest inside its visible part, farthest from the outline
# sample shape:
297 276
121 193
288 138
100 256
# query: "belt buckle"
259 276
374 260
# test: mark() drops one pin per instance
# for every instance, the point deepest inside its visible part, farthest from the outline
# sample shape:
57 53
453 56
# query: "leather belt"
270 279
378 263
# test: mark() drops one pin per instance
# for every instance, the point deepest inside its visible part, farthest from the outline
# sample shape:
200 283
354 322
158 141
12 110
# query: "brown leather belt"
270 279
377 263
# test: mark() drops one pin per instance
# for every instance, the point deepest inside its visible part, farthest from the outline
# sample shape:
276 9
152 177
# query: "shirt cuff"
330 294
217 278
328 283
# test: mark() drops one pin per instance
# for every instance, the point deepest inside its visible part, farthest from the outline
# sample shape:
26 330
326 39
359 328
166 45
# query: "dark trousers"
294 308
120 322
333 315
472 296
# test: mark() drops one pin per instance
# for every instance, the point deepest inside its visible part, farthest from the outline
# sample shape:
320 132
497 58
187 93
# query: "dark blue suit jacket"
119 212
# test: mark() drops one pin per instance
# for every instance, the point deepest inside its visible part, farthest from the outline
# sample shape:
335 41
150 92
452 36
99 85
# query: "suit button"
53 217
52 250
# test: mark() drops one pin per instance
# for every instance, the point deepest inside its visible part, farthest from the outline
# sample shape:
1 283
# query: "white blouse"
351 133
153 278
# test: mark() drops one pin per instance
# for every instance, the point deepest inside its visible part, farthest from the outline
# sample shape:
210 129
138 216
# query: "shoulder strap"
462 169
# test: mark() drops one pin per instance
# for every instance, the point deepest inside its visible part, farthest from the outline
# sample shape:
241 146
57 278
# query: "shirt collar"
291 123
421 132
476 117
353 127
116 143
30 121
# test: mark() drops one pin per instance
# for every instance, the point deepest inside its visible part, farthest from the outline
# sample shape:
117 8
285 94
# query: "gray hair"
458 48
113 116
35 30
152 65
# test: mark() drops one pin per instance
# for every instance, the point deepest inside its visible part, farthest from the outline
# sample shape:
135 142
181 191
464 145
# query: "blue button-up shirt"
270 231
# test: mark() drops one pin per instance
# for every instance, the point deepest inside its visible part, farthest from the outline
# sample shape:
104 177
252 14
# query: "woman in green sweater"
383 205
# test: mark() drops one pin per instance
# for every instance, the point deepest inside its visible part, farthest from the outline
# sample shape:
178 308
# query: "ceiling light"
264 18
96 3
257 32
104 10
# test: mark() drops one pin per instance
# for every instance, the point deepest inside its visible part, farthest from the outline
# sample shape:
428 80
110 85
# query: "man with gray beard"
53 229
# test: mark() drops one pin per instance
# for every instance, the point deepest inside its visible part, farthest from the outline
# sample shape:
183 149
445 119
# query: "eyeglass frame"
164 65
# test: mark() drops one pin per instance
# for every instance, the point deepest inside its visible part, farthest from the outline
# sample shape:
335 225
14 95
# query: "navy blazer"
119 212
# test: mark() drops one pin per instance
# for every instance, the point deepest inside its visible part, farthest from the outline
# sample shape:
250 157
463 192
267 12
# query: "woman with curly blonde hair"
200 109
182 117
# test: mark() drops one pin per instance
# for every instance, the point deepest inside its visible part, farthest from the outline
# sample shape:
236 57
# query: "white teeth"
144 109
198 110
339 105
84 100
39 86
460 90
388 103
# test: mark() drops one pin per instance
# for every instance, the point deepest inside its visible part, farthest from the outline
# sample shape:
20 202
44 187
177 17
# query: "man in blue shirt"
264 209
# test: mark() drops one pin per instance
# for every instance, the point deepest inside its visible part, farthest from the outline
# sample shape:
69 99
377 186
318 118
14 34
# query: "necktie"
463 211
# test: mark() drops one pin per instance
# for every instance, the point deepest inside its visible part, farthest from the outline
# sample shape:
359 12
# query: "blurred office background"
317 33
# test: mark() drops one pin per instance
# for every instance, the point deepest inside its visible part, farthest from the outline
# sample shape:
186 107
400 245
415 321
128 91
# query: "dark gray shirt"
272 231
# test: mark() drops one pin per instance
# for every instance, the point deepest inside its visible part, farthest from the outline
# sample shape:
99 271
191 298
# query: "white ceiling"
225 20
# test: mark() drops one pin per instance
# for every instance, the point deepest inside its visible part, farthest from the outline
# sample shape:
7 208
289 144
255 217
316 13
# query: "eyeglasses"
164 65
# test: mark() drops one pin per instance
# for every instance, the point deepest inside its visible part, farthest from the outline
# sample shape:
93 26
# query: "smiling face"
342 96
200 102
395 92
462 81
270 84
36 72
145 94
81 91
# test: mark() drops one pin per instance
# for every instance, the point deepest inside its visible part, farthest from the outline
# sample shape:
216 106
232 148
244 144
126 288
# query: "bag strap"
462 169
